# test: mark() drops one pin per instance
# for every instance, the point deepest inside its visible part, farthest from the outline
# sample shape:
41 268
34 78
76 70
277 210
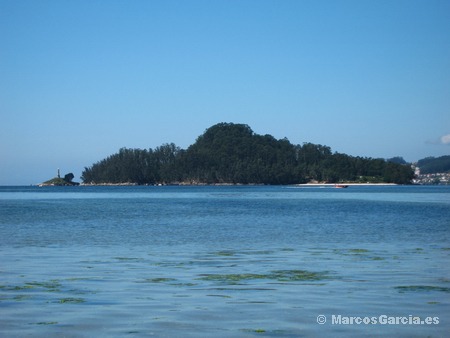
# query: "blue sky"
81 79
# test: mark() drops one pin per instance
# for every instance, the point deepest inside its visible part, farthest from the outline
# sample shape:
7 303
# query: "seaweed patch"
159 280
278 275
422 288
71 300
51 286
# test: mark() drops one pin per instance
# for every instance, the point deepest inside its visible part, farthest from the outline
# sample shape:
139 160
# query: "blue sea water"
224 261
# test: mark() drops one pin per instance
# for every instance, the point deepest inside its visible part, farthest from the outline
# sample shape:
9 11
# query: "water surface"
238 261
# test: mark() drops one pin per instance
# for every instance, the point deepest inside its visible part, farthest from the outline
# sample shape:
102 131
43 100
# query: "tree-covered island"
229 153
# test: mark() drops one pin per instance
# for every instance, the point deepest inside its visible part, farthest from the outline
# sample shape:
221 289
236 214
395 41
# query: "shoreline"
347 184
236 184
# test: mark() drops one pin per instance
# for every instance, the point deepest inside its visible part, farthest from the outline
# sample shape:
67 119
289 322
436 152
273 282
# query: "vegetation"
432 165
279 275
137 166
58 181
233 153
397 159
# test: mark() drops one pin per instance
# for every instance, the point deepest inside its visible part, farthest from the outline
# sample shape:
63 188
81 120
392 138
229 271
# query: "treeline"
137 166
433 165
233 153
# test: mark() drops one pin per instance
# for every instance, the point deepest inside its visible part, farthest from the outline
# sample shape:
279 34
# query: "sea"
225 261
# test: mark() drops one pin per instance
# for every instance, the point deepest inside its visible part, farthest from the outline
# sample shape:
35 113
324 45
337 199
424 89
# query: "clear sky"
81 79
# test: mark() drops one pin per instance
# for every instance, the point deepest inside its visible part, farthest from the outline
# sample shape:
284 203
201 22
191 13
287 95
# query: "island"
229 153
59 181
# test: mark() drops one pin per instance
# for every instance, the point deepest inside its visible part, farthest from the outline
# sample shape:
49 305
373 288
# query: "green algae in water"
279 275
422 288
224 253
50 286
233 277
184 284
298 275
254 330
220 296
159 280
21 287
377 258
358 251
264 332
71 300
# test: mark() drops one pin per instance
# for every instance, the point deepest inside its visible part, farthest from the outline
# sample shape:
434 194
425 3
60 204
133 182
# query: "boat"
340 186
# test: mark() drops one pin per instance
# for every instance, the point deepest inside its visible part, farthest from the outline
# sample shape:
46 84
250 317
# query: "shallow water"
222 261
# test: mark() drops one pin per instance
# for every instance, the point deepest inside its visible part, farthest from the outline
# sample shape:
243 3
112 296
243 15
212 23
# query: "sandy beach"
347 184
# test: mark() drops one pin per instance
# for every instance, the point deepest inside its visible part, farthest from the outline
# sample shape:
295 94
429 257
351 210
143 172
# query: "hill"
434 165
233 153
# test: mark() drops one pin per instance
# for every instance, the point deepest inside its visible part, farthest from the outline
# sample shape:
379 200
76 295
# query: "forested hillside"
432 165
233 153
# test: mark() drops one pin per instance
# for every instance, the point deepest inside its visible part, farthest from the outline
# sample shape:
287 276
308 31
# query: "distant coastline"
194 184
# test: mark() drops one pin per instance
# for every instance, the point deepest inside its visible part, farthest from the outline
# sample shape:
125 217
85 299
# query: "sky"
81 79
